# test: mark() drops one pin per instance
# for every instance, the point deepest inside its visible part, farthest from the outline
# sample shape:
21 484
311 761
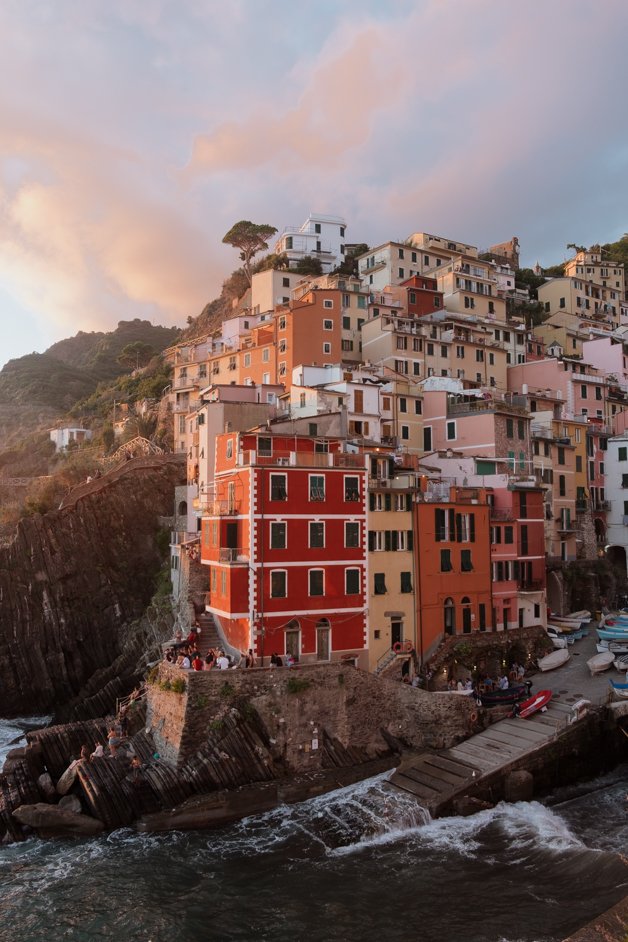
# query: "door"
396 632
231 536
293 643
322 644
466 620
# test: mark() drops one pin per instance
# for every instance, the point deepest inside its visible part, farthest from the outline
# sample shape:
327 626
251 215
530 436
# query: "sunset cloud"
132 136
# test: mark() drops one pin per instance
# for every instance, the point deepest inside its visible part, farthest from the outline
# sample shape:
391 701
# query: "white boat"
566 622
558 642
621 662
553 660
584 614
615 646
562 629
600 662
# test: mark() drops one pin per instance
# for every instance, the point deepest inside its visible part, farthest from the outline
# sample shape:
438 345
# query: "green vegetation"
227 691
201 701
178 685
298 684
250 238
350 264
308 265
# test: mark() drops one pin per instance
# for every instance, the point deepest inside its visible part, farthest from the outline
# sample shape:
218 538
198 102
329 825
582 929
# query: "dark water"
356 865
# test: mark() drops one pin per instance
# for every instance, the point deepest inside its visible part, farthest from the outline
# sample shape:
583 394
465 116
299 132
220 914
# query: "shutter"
410 539
439 524
395 540
387 539
372 501
472 527
452 525
408 501
371 540
458 528
387 502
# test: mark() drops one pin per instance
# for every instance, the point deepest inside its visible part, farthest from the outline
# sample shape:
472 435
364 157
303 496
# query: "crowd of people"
186 654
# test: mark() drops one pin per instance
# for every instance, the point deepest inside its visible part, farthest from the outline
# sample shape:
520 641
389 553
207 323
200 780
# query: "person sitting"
178 635
98 752
503 683
185 663
468 684
275 660
521 671
197 663
222 661
251 658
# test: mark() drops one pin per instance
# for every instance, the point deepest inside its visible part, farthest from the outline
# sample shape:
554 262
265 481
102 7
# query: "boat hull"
510 695
600 662
554 660
538 702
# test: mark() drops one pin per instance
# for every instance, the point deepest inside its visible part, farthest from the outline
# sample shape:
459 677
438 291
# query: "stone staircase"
210 636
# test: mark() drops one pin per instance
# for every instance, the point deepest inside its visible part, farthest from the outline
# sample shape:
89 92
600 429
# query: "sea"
358 865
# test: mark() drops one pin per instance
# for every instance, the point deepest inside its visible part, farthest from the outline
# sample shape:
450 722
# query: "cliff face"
72 579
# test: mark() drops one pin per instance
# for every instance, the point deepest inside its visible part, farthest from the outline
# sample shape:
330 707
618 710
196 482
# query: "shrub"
201 701
178 685
227 690
297 684
216 725
153 674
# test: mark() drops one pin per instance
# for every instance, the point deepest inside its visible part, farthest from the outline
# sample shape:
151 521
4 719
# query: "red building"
284 537
453 564
518 557
423 296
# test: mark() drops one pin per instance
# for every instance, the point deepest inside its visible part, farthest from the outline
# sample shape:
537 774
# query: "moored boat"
584 614
553 660
621 661
615 646
600 662
538 702
509 695
612 634
620 690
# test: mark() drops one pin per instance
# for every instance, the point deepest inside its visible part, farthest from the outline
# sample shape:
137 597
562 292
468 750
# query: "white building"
616 491
321 237
62 437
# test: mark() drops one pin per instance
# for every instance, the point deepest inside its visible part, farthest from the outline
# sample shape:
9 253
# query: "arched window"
182 508
449 612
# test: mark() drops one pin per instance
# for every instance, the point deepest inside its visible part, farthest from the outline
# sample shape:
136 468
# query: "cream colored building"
589 301
589 266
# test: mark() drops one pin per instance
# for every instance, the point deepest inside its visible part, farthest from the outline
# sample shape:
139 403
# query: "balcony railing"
500 514
602 506
530 585
304 459
227 554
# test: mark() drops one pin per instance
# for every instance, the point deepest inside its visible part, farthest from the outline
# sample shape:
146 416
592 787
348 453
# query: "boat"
612 634
584 614
620 662
562 630
615 646
509 695
600 662
538 702
620 690
557 641
553 660
574 623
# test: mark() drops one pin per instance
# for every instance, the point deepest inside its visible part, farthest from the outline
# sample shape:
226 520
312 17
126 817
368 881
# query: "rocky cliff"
73 580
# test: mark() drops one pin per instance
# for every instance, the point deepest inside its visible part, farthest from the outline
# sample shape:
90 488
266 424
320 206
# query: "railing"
228 554
530 585
502 514
304 459
220 508
602 505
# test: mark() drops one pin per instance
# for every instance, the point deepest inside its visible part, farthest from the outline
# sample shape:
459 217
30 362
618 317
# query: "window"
466 565
521 429
451 431
317 487
247 359
379 583
403 404
508 535
278 487
352 581
265 355
352 534
282 323
277 535
579 463
346 323
278 584
622 454
460 352
562 485
264 447
230 448
405 432
479 356
510 428
445 560
285 282
444 352
560 455
624 480
400 273
328 324
316 580
406 582
427 438
418 407
327 348
583 392
328 303
317 535
352 488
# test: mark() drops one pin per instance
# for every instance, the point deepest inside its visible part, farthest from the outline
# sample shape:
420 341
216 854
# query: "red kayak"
538 702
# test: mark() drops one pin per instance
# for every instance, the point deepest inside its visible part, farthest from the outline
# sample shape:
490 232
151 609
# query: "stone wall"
73 579
299 707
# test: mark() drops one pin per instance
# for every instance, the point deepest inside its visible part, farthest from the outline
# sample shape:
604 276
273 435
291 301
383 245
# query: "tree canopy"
308 265
250 238
136 354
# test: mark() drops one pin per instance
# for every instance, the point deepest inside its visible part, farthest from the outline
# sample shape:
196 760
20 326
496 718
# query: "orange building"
452 545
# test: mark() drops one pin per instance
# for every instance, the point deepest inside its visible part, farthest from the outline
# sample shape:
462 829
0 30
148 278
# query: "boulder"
466 805
46 787
68 778
519 786
71 803
53 821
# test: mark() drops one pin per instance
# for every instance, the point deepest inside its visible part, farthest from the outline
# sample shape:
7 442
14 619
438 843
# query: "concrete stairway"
210 638
436 779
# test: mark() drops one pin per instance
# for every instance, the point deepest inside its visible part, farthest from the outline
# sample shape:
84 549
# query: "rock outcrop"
73 579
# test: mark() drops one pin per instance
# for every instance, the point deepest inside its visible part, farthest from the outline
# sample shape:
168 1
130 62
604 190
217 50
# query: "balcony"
221 508
530 585
304 459
602 506
501 514
232 555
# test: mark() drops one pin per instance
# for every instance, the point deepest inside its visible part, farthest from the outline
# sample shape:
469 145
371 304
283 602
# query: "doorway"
323 640
396 632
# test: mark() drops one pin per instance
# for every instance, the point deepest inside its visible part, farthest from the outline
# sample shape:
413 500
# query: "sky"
134 133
